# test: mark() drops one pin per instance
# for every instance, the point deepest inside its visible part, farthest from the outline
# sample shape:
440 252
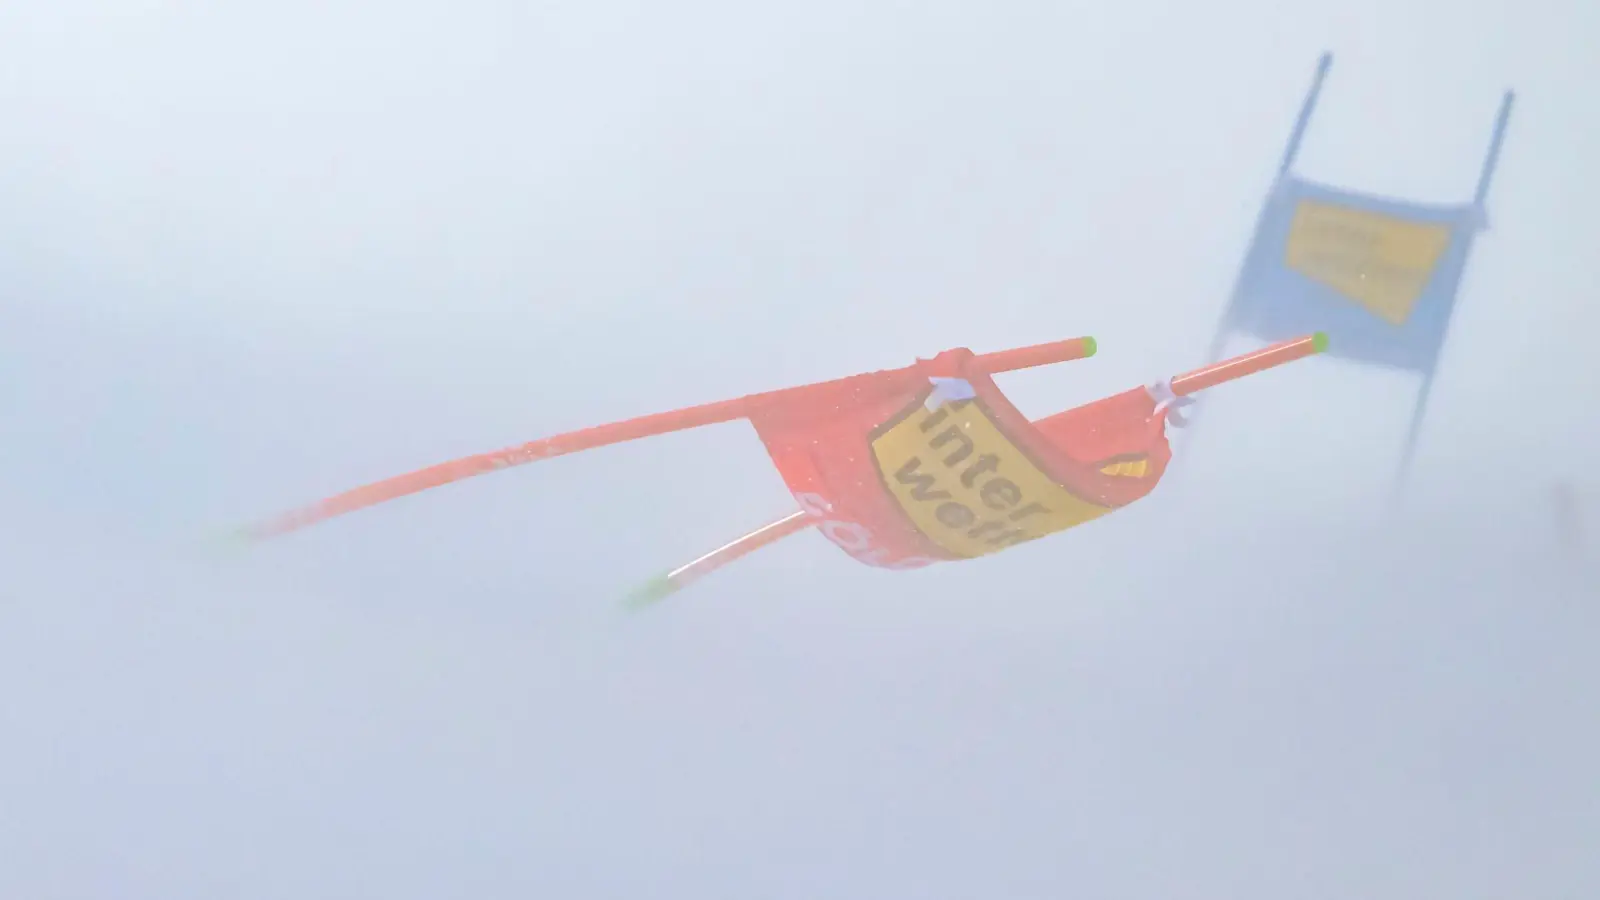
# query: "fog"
251 254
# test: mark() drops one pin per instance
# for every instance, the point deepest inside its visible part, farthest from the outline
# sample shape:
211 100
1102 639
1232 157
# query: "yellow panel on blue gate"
1379 261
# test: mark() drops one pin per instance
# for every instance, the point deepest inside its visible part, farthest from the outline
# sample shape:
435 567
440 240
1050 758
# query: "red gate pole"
630 430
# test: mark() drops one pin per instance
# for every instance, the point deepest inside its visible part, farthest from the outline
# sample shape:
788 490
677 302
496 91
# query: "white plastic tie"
948 390
1169 403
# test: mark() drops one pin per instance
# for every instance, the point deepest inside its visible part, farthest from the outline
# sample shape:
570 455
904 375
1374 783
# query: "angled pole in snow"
1291 152
1419 412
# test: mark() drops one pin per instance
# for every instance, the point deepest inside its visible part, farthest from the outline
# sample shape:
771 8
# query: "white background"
251 254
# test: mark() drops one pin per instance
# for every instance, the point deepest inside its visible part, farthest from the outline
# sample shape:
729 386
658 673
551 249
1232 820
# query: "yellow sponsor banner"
1376 260
966 486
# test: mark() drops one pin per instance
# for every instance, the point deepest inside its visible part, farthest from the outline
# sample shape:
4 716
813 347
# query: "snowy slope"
249 255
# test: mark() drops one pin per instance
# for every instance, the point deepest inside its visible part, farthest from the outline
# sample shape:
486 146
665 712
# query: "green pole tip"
1320 341
232 541
1090 346
649 593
